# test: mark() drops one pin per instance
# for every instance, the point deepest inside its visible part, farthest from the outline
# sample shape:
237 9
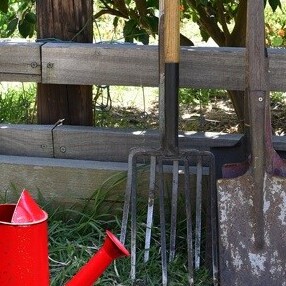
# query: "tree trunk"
68 20
237 39
238 101
221 34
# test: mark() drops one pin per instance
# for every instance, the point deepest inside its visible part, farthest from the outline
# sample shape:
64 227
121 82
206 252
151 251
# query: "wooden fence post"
68 20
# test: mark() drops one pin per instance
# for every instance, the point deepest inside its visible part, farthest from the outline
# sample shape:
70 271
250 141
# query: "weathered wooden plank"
19 77
101 144
206 67
277 68
135 65
26 140
116 64
72 142
20 61
70 182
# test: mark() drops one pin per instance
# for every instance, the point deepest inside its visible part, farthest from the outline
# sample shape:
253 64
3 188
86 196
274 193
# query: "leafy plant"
139 18
276 28
190 96
19 15
4 6
77 234
18 105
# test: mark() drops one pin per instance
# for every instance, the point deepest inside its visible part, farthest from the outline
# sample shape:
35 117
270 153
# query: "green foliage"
275 4
190 96
278 98
17 105
139 19
4 6
19 17
276 28
214 18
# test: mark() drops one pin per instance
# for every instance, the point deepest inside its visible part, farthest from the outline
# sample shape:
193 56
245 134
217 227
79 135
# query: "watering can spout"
112 248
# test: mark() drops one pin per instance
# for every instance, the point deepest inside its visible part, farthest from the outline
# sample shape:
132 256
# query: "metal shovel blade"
27 210
243 263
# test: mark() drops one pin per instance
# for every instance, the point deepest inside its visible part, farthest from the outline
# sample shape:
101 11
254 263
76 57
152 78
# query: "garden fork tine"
189 222
162 223
198 212
150 210
174 207
127 198
130 199
133 219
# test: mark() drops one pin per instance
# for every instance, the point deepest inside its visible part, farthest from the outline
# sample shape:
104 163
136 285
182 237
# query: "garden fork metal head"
177 175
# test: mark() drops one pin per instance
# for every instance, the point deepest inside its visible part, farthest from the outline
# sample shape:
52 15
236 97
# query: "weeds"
76 234
18 105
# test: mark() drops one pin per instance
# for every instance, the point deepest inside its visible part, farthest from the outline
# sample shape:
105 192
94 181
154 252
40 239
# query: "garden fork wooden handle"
172 31
169 96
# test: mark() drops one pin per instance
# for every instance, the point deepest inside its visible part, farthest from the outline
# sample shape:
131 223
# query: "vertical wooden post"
65 20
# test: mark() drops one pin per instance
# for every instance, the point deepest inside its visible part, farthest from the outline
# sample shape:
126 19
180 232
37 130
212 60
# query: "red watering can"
24 248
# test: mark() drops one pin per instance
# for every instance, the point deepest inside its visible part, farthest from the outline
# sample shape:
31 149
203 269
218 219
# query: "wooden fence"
69 162
130 65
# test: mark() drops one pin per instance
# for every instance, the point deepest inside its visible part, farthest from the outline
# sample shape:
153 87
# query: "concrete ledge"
65 181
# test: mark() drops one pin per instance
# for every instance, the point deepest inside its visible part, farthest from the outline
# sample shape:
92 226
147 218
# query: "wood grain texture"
277 69
132 65
97 144
101 144
68 20
172 31
100 64
20 61
137 65
72 142
26 140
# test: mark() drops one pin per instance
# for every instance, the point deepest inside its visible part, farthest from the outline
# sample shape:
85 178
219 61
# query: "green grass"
75 234
74 240
17 104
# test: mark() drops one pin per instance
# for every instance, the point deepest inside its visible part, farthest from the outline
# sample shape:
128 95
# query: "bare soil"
217 116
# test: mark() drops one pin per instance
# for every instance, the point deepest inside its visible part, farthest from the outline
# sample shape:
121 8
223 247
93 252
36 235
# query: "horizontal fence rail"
101 144
20 62
130 65
92 143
